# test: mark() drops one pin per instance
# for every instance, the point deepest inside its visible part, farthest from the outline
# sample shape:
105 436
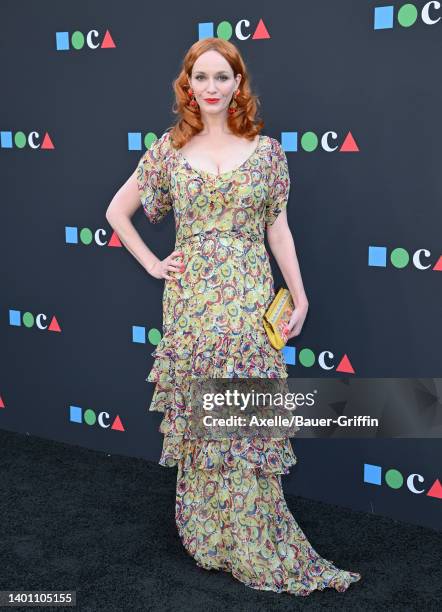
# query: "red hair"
242 123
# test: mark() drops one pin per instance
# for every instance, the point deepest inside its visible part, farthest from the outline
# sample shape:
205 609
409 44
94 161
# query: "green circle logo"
77 40
149 139
309 141
20 140
224 30
86 235
407 15
89 417
394 479
399 257
28 319
154 335
306 357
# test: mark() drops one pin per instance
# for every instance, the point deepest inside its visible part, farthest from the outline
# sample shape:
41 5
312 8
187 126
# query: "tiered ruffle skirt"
231 513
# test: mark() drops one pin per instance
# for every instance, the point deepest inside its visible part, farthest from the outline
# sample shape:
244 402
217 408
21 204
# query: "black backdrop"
324 67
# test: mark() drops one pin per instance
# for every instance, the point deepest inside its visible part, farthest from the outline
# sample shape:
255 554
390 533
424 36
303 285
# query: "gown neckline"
212 175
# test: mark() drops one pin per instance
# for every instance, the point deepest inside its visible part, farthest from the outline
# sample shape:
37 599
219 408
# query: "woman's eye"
223 77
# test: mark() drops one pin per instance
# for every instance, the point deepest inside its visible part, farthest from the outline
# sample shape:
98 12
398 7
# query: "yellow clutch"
277 316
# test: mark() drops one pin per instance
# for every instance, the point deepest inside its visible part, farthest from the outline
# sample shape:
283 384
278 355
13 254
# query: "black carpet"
77 519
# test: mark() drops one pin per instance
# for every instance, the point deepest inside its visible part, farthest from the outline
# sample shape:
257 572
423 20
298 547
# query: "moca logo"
309 141
10 139
90 417
86 236
394 479
406 16
326 359
400 258
17 319
225 30
64 40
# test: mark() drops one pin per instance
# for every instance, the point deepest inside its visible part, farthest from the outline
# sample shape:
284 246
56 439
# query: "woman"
225 183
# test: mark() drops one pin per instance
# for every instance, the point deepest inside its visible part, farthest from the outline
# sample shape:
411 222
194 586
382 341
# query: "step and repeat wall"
352 92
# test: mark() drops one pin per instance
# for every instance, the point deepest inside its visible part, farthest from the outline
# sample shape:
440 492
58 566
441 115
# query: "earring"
192 102
233 107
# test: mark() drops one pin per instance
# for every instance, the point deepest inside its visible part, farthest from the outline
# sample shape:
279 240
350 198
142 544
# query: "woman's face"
212 77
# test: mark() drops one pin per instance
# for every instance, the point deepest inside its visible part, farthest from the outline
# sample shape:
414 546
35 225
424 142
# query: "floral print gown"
231 512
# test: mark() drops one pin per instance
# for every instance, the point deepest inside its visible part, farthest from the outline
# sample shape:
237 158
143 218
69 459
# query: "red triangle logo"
108 42
2 405
54 326
261 31
117 424
436 489
349 145
345 366
47 142
438 265
114 241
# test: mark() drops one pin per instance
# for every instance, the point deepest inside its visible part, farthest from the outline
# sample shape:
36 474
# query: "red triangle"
349 145
438 265
114 241
261 31
436 489
117 424
108 42
345 366
1 402
54 326
47 142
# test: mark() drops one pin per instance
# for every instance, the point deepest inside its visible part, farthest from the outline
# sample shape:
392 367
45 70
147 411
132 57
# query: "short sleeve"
279 183
152 179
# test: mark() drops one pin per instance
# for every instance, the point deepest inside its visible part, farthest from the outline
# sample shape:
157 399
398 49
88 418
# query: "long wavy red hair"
244 122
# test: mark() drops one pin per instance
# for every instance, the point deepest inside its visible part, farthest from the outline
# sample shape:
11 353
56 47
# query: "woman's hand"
172 263
297 320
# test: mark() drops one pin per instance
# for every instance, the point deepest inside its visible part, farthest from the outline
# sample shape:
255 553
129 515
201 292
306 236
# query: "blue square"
372 474
15 317
134 141
71 235
377 256
205 30
289 141
289 354
138 334
62 41
76 414
6 140
383 17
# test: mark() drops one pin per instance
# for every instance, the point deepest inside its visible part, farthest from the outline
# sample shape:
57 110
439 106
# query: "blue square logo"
372 474
377 256
383 17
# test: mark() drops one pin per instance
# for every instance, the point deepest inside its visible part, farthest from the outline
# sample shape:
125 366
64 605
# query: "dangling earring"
233 107
192 102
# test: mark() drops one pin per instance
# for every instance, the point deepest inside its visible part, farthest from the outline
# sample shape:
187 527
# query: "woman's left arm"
281 243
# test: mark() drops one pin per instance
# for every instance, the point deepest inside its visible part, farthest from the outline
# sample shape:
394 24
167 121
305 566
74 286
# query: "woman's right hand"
172 263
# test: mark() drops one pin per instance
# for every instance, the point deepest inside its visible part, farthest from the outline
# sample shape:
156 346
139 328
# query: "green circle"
77 40
28 319
154 335
86 235
394 479
407 15
309 141
20 140
149 139
399 257
224 30
306 357
89 417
